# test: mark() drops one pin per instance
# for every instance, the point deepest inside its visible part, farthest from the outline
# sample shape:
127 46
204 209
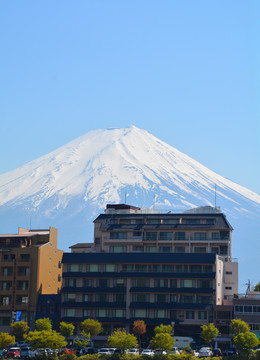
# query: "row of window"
20 285
11 257
140 297
247 309
139 282
138 313
178 268
169 235
20 300
220 250
21 271
158 221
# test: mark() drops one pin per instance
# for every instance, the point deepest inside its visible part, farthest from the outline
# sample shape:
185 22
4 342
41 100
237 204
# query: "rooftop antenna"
248 287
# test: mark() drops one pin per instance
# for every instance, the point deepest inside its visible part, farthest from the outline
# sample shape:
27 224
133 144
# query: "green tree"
162 341
20 328
121 340
239 326
139 328
43 324
6 340
45 339
245 342
91 326
66 329
208 333
83 341
163 329
257 287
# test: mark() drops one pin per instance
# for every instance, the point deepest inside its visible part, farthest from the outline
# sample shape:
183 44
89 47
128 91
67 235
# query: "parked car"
148 352
160 352
27 352
13 352
67 351
105 351
195 353
231 351
174 350
205 351
217 352
133 351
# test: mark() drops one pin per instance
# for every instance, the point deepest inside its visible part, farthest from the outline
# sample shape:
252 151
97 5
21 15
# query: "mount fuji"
70 186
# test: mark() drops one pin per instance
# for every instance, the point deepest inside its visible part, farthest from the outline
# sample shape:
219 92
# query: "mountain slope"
70 186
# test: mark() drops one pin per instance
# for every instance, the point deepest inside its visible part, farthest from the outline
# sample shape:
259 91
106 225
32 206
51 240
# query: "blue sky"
186 71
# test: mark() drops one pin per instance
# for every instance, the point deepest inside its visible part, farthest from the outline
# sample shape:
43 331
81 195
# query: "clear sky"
187 71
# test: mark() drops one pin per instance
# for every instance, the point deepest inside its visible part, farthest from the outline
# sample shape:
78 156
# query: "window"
208 268
223 250
93 267
140 297
215 250
86 312
188 283
118 235
166 236
128 267
7 271
140 268
179 235
173 283
97 240
180 249
102 313
4 321
140 313
25 257
141 282
171 221
23 271
204 299
168 268
102 297
224 235
154 221
161 283
161 298
200 236
215 236
88 297
70 282
154 268
110 268
151 236
190 315
119 282
6 285
119 313
70 312
5 300
202 315
138 248
187 299
74 267
102 282
88 282
22 285
119 297
191 221
228 273
22 300
228 287
70 297
117 249
173 298
195 268
200 250
137 234
160 314
165 249
204 284
151 249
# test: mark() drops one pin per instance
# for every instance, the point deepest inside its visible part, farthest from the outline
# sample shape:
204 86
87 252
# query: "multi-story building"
162 268
30 264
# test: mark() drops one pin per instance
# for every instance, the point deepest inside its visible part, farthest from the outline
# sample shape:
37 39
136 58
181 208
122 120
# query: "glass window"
215 250
187 299
119 282
215 236
165 249
22 300
180 249
195 268
190 315
188 283
161 283
154 221
166 236
140 313
200 236
70 312
102 282
7 271
204 284
161 298
141 282
180 235
151 249
88 282
223 250
119 297
200 249
86 312
173 283
102 312
102 297
70 282
160 314
6 285
173 297
151 236
118 235
128 267
88 297
119 313
208 268
74 267
69 297
117 249
171 221
140 297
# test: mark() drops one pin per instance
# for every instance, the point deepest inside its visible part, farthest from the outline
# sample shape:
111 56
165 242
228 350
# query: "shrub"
68 357
89 357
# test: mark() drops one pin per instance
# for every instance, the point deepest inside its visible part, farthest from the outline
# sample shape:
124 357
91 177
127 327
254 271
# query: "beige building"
30 264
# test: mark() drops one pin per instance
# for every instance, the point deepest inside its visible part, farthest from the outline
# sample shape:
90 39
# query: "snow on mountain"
70 186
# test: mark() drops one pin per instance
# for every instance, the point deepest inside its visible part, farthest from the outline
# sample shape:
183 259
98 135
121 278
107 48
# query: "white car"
105 351
148 352
133 352
205 351
174 350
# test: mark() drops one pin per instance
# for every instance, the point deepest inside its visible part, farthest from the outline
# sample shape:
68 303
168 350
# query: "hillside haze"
70 186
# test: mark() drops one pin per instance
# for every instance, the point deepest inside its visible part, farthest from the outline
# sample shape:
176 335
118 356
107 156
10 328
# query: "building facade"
30 265
162 268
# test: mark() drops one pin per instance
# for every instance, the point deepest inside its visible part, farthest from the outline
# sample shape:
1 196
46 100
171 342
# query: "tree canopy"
66 329
162 341
257 287
208 333
43 324
121 340
91 326
245 342
45 339
238 326
6 340
163 329
20 328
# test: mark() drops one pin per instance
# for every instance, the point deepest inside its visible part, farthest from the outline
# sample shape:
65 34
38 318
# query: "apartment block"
30 265
160 267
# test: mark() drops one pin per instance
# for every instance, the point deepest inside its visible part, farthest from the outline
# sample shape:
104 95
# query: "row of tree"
45 337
